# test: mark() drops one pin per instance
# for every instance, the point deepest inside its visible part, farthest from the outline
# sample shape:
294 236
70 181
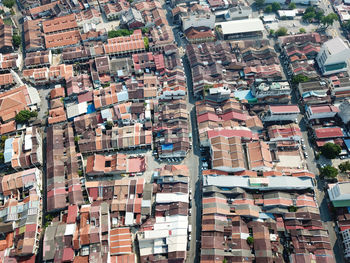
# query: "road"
194 166
322 200
334 30
319 188
193 158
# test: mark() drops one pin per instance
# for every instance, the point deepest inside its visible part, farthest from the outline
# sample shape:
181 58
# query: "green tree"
2 157
346 25
329 172
309 16
343 167
299 79
268 9
272 32
119 33
24 115
302 30
319 14
292 6
76 138
146 41
276 6
250 240
8 3
259 3
109 125
282 31
330 150
16 40
145 30
328 20
292 208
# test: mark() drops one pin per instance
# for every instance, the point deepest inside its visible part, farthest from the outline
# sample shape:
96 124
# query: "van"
189 228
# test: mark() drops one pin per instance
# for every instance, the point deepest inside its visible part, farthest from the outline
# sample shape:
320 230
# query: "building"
259 156
340 87
333 56
244 28
339 194
100 165
262 184
25 150
284 132
346 242
281 113
125 45
275 92
227 153
234 13
17 99
60 24
344 111
314 92
6 33
321 111
198 20
132 19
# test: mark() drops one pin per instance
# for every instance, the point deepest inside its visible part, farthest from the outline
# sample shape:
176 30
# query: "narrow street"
193 157
194 165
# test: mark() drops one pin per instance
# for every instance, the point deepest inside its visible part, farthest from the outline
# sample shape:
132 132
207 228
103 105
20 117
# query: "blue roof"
244 94
8 151
263 215
347 143
90 108
168 146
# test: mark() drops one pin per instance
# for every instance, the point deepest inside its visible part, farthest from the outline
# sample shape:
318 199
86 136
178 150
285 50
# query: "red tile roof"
60 24
334 132
324 108
284 108
230 133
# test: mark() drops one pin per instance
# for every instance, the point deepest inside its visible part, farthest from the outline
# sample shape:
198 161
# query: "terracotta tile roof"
6 79
33 37
7 127
57 93
13 101
120 241
126 44
6 36
60 24
57 115
63 39
42 8
193 33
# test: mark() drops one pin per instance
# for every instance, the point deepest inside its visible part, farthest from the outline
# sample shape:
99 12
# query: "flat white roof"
241 26
278 182
290 13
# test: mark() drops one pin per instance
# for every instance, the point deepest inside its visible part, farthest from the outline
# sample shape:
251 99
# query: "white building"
339 194
238 12
281 113
333 56
321 111
344 111
198 20
346 242
241 28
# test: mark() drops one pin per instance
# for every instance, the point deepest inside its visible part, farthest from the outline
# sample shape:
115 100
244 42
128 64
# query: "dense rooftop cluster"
176 131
